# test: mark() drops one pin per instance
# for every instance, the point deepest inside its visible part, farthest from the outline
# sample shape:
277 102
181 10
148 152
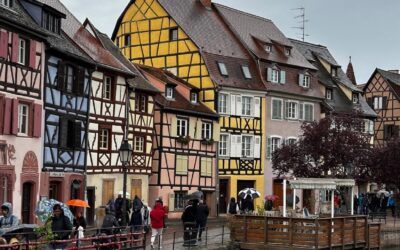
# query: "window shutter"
301 111
384 102
269 74
174 127
80 81
236 146
3 44
371 127
63 133
37 120
269 141
14 126
61 75
286 109
301 79
257 106
77 134
257 146
171 202
370 102
239 105
7 116
232 105
32 54
15 40
282 78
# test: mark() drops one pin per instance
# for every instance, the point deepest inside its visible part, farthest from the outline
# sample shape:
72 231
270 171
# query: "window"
7 3
182 127
51 22
291 110
370 127
355 98
70 134
3 154
206 166
308 112
275 76
206 130
127 40
140 102
275 143
180 199
22 51
70 78
170 92
181 165
328 94
5 194
107 87
246 105
104 139
246 72
223 102
326 195
222 69
173 34
276 109
379 102
268 48
306 81
247 143
287 51
390 131
139 144
334 71
291 140
193 97
223 145
23 119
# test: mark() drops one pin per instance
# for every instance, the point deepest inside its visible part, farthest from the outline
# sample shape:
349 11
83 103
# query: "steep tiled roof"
393 79
255 31
350 73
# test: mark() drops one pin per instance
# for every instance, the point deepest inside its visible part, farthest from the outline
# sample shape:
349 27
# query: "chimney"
397 71
206 3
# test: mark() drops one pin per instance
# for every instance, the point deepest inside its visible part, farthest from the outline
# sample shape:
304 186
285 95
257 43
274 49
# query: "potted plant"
207 141
183 139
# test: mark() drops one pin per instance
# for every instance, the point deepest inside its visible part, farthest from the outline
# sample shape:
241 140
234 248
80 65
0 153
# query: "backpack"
232 207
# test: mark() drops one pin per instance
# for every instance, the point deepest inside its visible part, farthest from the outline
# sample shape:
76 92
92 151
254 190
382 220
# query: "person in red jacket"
157 216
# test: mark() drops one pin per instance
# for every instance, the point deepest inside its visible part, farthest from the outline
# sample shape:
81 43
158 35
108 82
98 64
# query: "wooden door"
27 188
108 191
136 188
91 201
223 196
55 190
278 190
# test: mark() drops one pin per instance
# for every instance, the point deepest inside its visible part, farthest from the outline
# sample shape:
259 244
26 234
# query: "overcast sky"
366 30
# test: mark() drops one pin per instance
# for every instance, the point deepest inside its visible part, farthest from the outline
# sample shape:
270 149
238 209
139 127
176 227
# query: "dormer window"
173 34
268 48
355 98
169 92
127 40
193 97
276 75
328 94
51 22
6 3
287 51
334 72
305 80
246 71
222 69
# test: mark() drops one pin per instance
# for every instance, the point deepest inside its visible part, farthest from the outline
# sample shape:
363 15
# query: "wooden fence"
260 232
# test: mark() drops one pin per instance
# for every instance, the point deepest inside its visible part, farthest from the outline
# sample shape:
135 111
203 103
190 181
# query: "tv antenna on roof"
302 22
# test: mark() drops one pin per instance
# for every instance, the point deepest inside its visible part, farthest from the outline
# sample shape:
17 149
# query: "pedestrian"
118 207
157 215
233 207
355 204
136 219
336 203
392 205
8 219
146 217
61 226
247 204
202 213
111 204
79 224
189 223
160 200
110 223
360 202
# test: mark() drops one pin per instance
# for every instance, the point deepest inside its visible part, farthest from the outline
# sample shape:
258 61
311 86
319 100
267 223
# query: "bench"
377 215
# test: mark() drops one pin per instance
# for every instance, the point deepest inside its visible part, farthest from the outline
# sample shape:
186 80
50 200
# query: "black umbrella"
289 199
27 230
197 195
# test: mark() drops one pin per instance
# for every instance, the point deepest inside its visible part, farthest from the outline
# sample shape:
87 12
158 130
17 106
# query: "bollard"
173 241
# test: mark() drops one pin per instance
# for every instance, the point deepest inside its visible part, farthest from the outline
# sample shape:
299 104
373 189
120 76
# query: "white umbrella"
249 192
122 193
384 192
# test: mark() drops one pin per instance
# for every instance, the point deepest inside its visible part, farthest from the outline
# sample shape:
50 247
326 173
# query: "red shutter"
3 44
7 116
37 120
15 40
32 54
14 126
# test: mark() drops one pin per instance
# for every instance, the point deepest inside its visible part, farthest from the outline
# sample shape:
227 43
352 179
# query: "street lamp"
125 154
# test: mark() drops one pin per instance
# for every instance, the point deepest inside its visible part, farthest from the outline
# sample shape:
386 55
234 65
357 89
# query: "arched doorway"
29 183
27 200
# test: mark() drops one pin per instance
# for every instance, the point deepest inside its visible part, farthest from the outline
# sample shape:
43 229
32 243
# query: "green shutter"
269 141
282 78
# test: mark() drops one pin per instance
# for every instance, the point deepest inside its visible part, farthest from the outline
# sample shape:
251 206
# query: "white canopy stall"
320 184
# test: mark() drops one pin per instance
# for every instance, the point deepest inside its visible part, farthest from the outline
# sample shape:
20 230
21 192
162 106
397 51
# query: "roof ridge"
312 44
243 12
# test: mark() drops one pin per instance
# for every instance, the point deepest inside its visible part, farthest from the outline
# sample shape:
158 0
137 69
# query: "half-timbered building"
382 92
22 56
185 143
191 40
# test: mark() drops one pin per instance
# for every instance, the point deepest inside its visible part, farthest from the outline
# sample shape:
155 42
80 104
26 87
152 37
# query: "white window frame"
246 72
334 72
304 111
22 46
247 147
287 51
138 145
272 108
70 75
276 145
182 127
328 94
275 75
193 97
107 87
169 92
306 81
268 47
104 138
223 105
206 130
378 102
291 138
6 3
224 145
296 110
248 105
355 98
222 69
23 119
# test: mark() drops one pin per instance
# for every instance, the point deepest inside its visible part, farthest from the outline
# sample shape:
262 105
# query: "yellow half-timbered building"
190 39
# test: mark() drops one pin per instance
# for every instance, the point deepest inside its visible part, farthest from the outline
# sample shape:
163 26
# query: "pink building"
184 144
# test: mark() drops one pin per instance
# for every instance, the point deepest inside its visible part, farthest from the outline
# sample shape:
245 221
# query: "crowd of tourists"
372 202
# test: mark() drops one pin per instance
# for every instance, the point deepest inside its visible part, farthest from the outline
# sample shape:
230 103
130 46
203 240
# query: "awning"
320 183
345 182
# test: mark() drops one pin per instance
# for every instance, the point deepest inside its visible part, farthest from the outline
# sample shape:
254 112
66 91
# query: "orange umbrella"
77 203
